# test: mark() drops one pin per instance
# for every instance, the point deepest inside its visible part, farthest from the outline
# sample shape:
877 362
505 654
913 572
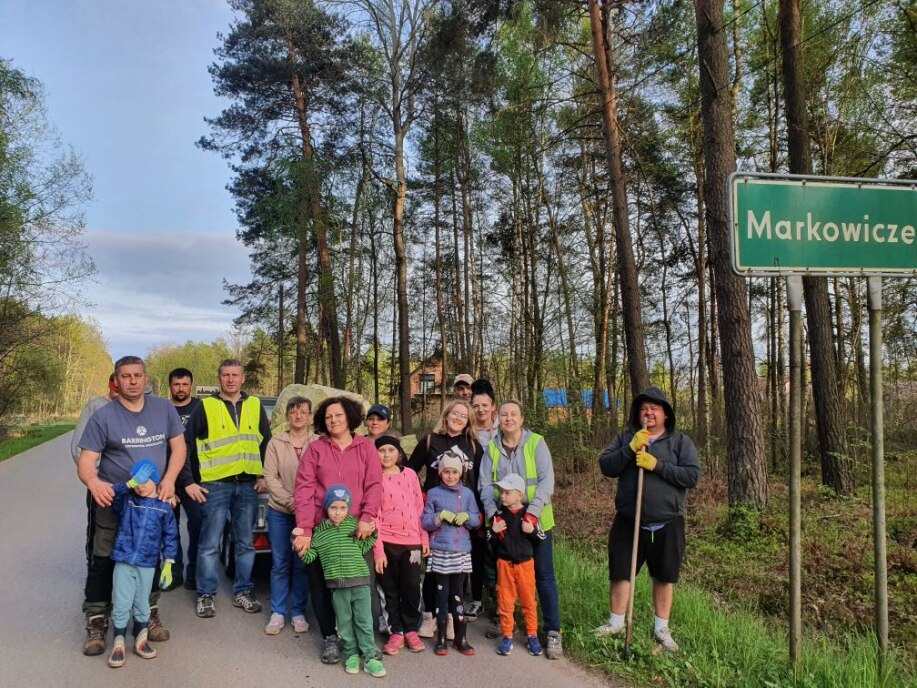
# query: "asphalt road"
42 572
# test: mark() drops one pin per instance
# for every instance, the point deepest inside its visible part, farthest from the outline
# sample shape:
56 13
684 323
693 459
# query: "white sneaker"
427 626
664 639
275 625
300 625
608 629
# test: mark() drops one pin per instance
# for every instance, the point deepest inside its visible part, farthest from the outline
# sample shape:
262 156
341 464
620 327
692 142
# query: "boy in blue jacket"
450 513
146 531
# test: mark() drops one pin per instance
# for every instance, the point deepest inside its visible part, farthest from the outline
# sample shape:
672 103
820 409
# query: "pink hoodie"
323 465
398 521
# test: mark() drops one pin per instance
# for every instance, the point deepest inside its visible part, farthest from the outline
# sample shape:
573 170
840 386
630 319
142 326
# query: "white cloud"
161 288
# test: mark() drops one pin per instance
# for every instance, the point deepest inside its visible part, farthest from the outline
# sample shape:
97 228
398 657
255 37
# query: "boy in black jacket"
512 544
669 460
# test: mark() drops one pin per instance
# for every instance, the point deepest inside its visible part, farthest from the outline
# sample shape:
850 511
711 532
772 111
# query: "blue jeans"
239 501
546 583
289 581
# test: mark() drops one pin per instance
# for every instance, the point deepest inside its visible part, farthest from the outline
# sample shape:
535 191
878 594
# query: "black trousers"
450 591
401 585
320 596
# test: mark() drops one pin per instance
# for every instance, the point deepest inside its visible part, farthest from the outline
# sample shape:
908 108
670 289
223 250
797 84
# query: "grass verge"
719 647
32 436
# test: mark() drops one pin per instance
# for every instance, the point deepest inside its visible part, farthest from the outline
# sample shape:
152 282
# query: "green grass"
32 436
719 648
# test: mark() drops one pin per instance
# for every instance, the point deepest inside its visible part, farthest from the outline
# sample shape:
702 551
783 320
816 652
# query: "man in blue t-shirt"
130 428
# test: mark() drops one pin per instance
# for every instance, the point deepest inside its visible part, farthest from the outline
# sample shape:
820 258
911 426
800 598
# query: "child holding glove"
451 512
146 533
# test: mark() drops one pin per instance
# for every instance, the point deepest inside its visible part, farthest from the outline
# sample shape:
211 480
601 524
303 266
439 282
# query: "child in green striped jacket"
343 560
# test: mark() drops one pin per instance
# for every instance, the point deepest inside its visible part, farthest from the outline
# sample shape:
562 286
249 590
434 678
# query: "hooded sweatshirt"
324 464
281 463
677 468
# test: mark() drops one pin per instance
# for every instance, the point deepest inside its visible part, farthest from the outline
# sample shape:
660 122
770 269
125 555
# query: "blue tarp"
557 398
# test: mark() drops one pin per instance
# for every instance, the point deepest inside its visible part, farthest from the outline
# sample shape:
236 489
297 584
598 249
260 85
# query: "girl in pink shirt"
400 547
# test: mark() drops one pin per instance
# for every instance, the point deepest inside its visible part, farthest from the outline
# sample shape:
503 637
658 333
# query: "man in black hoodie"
669 460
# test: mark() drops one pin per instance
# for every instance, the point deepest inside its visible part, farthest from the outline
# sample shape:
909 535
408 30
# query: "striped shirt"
342 556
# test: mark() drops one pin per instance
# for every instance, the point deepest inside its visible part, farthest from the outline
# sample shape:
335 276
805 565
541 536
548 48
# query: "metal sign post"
795 225
794 301
878 464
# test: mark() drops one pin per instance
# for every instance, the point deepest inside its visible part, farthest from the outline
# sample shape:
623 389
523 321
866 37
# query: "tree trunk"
835 465
438 273
401 270
746 463
627 270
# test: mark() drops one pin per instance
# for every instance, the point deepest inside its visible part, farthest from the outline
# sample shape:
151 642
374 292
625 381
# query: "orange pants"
516 581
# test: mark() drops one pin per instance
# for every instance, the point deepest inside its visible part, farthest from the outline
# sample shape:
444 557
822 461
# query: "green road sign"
793 224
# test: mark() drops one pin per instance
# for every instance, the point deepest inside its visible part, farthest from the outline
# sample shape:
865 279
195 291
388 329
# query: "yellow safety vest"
230 450
531 476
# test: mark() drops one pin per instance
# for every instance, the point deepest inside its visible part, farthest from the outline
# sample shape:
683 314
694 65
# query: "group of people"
371 539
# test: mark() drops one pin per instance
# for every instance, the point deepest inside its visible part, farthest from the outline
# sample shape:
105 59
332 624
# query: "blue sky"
126 86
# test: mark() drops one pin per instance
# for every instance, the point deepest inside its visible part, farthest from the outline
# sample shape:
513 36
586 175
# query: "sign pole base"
794 303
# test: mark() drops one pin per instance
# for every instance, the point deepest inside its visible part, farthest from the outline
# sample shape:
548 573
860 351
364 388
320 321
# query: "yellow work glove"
646 461
446 516
165 577
640 440
460 518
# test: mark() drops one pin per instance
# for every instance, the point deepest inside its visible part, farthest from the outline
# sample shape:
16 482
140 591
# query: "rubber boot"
461 642
441 647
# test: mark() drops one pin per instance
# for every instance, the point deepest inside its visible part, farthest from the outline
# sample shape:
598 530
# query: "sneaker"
663 638
352 665
554 647
608 629
246 601
116 658
96 629
427 626
331 651
533 645
413 641
300 625
157 632
394 644
493 631
374 668
473 610
505 647
275 625
142 648
205 608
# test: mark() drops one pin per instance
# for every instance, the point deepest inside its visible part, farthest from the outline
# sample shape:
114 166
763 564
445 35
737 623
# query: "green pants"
354 616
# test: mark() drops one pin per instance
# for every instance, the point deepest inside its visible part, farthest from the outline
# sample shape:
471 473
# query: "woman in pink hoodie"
337 456
401 545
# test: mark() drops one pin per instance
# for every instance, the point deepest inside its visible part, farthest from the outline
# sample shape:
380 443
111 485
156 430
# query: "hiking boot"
275 625
473 610
246 601
441 648
505 647
96 629
609 629
205 608
394 644
663 638
141 647
554 647
300 625
413 641
533 645
331 651
116 658
374 667
460 642
427 626
352 665
157 633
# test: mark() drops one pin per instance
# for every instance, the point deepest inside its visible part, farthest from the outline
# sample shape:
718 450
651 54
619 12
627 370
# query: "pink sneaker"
413 641
394 644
